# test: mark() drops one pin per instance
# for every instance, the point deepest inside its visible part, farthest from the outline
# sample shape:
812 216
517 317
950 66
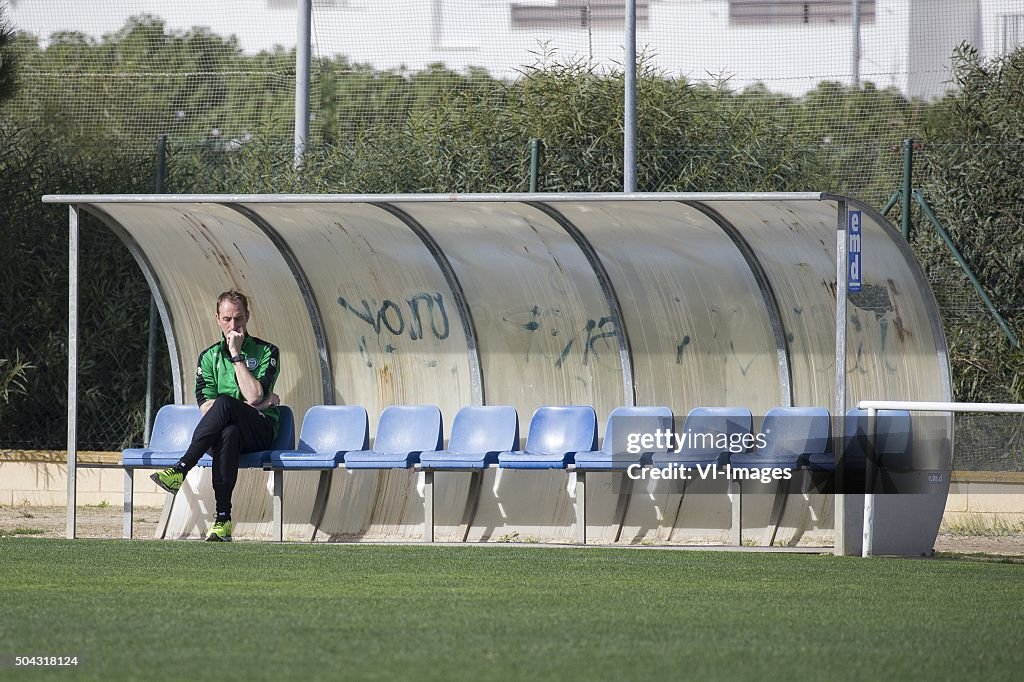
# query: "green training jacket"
215 374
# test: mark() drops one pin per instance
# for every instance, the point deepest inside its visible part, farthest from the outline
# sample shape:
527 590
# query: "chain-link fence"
732 96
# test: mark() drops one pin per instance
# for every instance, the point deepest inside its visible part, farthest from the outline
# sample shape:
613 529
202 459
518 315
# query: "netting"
225 70
215 77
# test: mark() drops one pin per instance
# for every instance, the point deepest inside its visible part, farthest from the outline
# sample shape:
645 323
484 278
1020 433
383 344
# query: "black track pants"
228 429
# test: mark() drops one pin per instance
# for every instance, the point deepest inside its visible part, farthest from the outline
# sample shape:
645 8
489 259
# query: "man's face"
231 317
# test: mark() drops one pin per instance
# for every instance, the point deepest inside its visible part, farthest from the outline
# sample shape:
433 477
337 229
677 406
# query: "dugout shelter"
679 299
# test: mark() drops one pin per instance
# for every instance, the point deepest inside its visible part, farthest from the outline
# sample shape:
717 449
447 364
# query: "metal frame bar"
458 293
771 302
962 262
316 319
842 280
872 406
611 296
516 197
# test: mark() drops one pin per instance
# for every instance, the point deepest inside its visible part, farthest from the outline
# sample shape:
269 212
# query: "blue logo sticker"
250 363
853 251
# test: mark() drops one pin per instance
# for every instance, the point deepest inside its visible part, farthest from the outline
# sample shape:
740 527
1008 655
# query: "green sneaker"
169 479
221 531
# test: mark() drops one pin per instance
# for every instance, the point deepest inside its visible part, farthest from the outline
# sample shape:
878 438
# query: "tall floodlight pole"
629 119
855 40
302 50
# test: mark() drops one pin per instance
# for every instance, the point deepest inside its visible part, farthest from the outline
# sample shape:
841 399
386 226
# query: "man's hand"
272 400
234 341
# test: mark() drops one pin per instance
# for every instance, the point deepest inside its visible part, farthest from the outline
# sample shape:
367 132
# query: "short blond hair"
236 297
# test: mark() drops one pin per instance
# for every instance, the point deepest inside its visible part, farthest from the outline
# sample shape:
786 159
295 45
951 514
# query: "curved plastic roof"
608 299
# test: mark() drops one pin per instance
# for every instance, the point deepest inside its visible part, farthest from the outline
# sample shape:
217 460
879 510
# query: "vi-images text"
707 472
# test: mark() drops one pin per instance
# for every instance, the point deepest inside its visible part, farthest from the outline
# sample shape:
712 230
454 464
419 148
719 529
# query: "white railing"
872 406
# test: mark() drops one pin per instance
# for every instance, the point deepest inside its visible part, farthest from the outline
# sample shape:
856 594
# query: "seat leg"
323 493
622 503
778 509
581 507
472 502
736 495
165 516
129 498
679 509
428 505
278 485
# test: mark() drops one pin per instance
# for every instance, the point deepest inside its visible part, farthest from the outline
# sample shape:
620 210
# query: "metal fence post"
629 116
536 147
908 174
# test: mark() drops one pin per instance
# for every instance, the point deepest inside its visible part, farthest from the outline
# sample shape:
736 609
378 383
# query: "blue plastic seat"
328 432
892 442
710 435
478 434
791 435
403 433
556 434
171 436
285 440
622 423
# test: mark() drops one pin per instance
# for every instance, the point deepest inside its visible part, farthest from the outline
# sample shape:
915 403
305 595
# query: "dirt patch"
105 522
1008 545
90 522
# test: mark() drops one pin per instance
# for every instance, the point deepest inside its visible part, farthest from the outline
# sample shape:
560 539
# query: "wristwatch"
237 358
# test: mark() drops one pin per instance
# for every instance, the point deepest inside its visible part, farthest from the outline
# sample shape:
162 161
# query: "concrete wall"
985 500
46 484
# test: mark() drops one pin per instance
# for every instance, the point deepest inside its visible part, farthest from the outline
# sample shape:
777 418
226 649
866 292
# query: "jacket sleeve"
206 382
269 368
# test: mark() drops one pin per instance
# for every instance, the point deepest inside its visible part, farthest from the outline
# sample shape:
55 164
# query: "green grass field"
192 610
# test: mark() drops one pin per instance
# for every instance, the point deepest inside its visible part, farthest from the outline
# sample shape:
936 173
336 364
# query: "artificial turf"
194 610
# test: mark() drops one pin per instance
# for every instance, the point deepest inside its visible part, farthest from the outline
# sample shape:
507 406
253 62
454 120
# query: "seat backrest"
173 427
711 430
892 428
335 428
624 421
796 430
409 428
562 429
285 439
484 429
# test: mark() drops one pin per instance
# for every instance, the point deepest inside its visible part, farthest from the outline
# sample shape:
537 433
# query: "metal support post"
72 368
428 505
278 488
869 492
581 506
842 281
